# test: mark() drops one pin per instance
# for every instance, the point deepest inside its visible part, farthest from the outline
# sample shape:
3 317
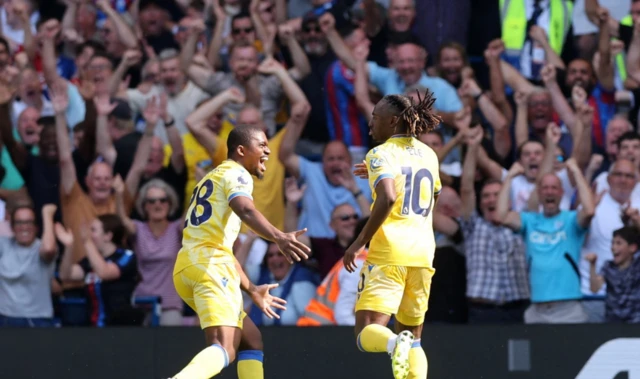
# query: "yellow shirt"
406 237
269 192
211 226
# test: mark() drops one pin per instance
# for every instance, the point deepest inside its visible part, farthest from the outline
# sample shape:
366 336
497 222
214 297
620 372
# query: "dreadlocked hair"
418 118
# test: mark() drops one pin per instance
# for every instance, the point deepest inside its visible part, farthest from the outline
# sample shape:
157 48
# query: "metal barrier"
454 352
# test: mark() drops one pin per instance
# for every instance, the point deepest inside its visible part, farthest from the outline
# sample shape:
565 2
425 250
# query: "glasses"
347 217
153 200
242 30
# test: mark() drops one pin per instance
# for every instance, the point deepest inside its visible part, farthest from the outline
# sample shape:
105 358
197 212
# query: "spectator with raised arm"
26 269
616 201
620 274
552 239
80 208
156 241
497 283
109 271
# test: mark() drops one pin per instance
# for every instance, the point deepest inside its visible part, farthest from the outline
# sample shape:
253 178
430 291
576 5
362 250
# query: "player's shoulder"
230 172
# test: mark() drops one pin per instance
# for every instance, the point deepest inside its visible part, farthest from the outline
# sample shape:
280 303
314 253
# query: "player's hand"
349 258
291 248
266 301
360 170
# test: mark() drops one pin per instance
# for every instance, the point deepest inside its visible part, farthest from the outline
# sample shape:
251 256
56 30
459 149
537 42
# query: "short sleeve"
378 76
525 220
76 110
12 179
379 167
215 83
238 183
127 264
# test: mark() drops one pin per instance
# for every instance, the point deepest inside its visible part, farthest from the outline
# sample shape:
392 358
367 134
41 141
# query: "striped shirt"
344 120
156 258
496 263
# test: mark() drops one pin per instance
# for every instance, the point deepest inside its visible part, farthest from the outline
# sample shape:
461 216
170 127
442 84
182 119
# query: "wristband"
170 123
355 195
477 97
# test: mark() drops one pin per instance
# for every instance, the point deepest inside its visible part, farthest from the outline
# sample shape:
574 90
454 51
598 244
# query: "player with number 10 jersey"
395 279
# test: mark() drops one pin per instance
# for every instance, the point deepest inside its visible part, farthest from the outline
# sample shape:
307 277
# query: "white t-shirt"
581 24
179 107
601 184
521 190
605 221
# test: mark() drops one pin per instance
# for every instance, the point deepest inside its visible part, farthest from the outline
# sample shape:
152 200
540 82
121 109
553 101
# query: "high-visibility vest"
513 17
320 310
621 65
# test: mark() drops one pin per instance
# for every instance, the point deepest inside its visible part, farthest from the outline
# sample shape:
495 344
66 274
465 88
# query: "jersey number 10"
412 188
200 200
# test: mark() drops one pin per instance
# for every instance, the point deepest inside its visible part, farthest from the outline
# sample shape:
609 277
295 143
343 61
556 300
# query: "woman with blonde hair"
156 242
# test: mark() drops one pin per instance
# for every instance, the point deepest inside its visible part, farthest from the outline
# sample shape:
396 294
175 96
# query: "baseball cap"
122 111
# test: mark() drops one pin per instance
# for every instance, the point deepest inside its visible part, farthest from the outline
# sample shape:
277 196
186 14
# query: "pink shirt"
156 258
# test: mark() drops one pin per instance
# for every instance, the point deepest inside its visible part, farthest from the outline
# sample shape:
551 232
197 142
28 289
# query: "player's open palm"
349 258
266 301
292 248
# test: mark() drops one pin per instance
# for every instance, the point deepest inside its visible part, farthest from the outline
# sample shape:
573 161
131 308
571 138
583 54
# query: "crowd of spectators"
112 110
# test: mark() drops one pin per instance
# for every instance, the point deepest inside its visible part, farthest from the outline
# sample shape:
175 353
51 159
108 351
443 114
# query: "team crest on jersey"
225 281
376 163
242 180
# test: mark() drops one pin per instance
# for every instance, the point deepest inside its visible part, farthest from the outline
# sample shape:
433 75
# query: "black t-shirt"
42 179
313 87
448 302
164 41
107 299
625 34
126 147
379 43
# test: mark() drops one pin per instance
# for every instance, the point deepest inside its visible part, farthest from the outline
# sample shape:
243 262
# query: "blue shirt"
12 179
321 198
389 82
552 245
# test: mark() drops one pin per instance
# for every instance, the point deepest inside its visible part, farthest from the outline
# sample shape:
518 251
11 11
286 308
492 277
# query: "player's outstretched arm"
385 198
260 294
287 242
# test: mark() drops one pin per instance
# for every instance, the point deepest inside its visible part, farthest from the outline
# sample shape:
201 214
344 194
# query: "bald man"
553 240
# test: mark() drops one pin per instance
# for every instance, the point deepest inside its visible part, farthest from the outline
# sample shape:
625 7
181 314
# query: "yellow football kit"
205 275
396 277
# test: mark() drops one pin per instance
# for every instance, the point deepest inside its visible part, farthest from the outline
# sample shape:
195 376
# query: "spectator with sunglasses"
325 252
156 241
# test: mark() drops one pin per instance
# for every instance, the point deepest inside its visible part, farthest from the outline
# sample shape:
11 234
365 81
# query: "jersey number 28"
202 200
412 187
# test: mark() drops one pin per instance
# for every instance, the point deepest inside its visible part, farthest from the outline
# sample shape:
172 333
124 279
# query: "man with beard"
616 204
600 91
553 240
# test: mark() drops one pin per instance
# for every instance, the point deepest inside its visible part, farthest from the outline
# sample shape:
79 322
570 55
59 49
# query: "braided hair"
416 119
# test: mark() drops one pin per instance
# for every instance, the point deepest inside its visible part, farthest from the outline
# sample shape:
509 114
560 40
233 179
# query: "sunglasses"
348 217
308 29
242 30
152 200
